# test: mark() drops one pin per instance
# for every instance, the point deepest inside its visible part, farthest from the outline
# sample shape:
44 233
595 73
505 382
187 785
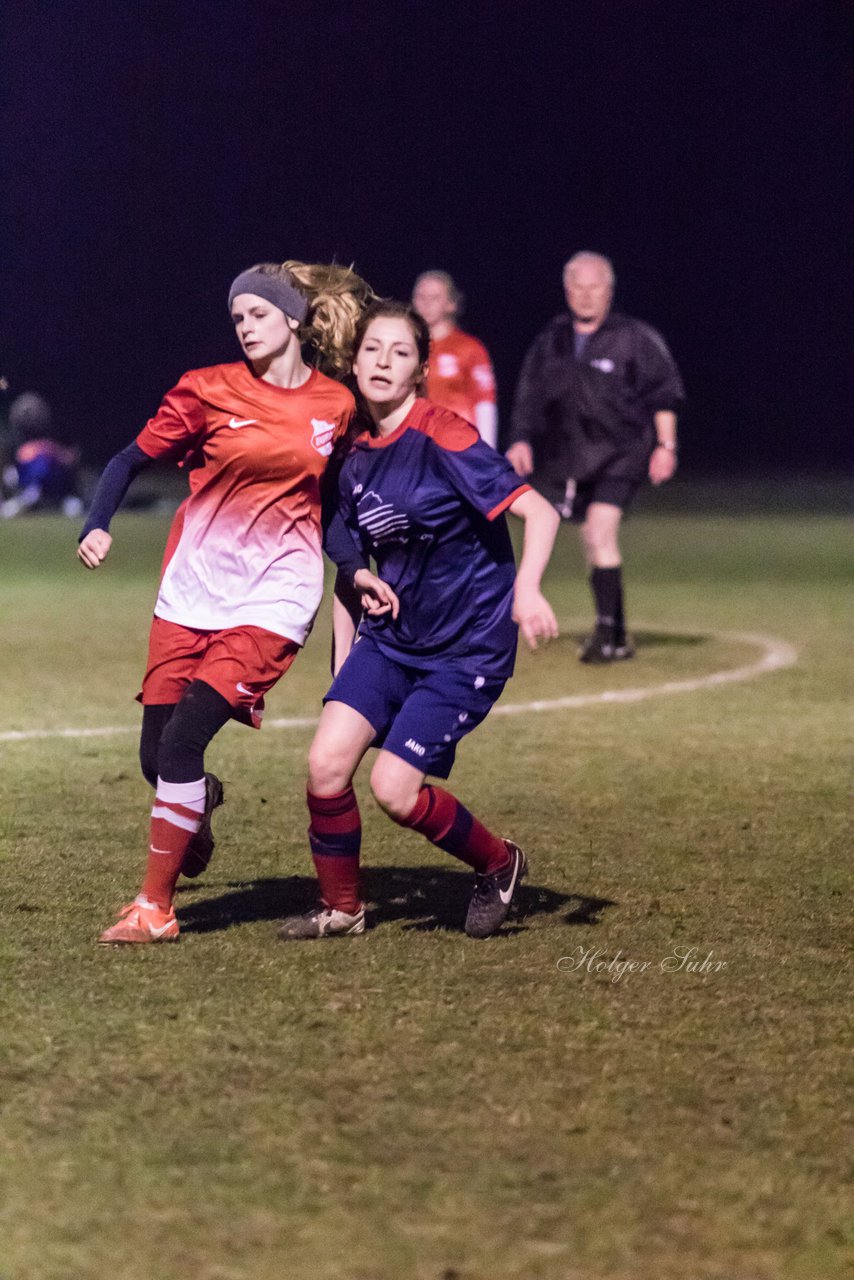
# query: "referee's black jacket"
593 415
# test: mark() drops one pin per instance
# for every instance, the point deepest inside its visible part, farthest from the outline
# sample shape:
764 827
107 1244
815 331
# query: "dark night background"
154 150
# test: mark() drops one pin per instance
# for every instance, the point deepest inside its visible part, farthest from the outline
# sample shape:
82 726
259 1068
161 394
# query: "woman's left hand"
662 464
377 596
534 615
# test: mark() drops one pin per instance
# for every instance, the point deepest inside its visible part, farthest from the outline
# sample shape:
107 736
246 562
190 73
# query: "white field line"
776 655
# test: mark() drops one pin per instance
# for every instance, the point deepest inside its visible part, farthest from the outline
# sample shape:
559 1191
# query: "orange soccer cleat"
142 921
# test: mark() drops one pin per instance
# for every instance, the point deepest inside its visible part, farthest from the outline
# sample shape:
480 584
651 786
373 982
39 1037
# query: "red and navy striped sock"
335 836
446 823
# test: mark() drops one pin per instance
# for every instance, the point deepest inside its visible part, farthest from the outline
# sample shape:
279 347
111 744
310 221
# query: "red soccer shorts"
241 663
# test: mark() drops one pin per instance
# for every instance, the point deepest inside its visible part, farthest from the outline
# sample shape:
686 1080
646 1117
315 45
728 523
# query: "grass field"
414 1105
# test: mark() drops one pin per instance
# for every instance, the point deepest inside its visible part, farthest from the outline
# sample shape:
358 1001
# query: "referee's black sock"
607 588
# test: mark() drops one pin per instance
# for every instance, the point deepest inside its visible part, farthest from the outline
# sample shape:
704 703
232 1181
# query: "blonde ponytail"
336 297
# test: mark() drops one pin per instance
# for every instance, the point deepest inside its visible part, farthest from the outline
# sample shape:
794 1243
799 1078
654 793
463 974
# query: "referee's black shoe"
200 849
600 647
493 895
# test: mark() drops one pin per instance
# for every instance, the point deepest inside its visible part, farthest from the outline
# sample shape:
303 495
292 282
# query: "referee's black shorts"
615 490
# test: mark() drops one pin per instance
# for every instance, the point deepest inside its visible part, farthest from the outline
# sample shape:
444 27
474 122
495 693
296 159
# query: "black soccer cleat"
493 895
598 648
200 849
624 649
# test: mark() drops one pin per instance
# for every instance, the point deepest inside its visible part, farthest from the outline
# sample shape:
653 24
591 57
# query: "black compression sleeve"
340 545
350 596
113 485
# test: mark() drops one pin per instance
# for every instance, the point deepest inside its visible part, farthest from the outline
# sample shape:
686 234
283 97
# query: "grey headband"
272 289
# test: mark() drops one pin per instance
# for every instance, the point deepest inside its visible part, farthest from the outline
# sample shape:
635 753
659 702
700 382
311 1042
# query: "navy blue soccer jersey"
426 503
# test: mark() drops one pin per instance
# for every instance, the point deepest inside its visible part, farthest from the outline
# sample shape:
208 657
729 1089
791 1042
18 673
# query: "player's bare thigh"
342 738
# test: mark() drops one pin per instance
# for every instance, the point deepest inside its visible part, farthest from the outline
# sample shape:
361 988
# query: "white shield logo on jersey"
321 436
483 377
447 365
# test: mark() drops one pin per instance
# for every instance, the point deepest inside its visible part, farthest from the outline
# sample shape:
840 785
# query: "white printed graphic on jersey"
606 365
321 436
379 520
447 365
482 375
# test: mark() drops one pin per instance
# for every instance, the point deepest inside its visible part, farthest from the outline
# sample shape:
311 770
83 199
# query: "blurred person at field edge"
594 415
6 450
243 573
42 475
460 376
423 497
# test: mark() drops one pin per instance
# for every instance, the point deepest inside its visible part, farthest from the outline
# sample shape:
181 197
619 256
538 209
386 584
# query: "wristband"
669 445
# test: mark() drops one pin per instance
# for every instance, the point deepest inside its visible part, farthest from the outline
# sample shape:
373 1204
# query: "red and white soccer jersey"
247 545
460 378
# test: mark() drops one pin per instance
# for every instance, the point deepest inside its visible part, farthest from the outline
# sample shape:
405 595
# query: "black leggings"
174 737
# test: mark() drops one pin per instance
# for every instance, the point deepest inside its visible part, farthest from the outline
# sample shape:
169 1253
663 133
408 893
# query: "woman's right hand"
93 549
377 596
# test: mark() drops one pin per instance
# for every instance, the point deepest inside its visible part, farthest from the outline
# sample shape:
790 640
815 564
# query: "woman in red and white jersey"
460 376
243 572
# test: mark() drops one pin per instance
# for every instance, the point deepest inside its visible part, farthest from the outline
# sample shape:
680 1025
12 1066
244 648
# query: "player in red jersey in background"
243 572
460 376
424 497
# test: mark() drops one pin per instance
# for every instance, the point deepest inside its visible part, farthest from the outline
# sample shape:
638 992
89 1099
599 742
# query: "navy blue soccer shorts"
418 715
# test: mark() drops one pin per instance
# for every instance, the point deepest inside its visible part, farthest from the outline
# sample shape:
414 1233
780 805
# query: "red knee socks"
446 823
335 835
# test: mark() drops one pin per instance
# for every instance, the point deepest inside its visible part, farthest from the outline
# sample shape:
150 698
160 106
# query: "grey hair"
588 255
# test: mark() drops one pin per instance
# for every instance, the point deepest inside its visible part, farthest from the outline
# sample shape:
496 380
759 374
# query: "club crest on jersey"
322 434
447 365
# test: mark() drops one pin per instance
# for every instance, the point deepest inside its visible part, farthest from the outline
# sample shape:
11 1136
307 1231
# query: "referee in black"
594 414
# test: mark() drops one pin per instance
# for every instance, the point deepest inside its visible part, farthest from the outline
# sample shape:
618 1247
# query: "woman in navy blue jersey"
424 498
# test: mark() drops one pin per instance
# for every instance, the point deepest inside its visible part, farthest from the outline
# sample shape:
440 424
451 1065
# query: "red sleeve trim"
508 502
